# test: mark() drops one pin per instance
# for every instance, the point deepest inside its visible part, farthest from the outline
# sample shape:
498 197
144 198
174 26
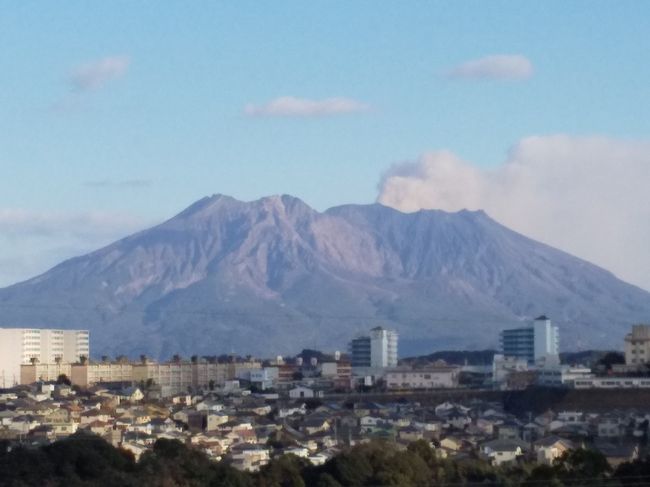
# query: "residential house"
550 448
501 451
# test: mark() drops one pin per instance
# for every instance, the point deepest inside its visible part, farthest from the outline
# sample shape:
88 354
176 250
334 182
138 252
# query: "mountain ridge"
274 275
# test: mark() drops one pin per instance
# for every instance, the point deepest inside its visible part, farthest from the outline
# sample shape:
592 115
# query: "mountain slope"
273 275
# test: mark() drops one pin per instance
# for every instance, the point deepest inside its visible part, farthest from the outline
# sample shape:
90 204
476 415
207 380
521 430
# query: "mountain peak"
224 271
205 204
220 206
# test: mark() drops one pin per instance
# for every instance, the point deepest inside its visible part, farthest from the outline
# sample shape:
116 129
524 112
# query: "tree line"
87 460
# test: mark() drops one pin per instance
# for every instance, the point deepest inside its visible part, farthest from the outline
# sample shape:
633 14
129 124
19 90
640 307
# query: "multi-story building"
378 350
180 376
360 351
172 377
20 346
537 341
637 345
383 348
88 374
433 377
30 373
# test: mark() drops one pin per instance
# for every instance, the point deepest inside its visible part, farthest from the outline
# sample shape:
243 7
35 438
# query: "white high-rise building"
19 346
383 347
546 338
377 350
539 340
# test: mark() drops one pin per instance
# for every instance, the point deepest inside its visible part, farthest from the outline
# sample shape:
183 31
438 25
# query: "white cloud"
585 195
94 75
498 66
289 106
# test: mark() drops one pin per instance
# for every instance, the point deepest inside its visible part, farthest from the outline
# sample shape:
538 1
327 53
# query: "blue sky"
133 110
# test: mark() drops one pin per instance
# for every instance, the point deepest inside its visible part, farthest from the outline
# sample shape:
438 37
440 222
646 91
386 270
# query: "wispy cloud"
95 74
123 184
498 66
86 225
33 241
585 195
289 106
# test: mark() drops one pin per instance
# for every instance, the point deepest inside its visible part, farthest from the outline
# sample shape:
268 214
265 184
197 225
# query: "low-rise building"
562 375
89 374
43 372
434 377
613 383
503 366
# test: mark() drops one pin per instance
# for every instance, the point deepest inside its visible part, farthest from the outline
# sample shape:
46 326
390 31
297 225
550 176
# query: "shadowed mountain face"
273 276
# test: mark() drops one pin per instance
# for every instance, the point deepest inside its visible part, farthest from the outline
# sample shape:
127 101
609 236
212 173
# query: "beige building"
426 378
172 377
43 372
88 374
176 377
637 345
22 346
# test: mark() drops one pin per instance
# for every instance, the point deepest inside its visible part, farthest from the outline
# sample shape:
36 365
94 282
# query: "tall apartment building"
383 347
637 345
378 350
20 346
537 341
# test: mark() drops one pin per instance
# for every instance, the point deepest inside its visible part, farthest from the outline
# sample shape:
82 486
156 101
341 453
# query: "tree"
170 462
544 475
633 473
611 358
63 379
326 480
285 471
423 449
583 463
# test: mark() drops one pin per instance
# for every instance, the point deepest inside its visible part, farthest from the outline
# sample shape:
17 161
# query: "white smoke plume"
588 196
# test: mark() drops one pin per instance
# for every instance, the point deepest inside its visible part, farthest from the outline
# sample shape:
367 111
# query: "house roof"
552 440
505 445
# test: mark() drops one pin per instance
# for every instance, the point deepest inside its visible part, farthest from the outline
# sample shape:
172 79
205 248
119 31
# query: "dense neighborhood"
248 413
